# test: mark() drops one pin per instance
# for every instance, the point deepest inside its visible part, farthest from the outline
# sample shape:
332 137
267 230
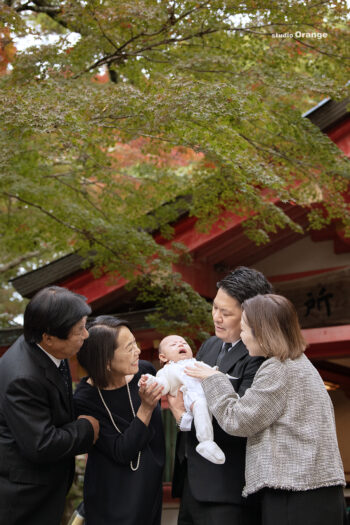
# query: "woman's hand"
200 371
150 396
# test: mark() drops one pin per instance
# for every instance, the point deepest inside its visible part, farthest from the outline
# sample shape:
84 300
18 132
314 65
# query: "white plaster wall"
302 256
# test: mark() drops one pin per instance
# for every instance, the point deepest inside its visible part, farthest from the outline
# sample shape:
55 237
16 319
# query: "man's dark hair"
98 349
54 311
243 283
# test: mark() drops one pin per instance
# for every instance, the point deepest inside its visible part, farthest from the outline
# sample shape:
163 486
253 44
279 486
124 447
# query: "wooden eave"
328 113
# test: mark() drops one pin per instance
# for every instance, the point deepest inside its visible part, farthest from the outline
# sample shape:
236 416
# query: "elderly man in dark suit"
39 435
211 494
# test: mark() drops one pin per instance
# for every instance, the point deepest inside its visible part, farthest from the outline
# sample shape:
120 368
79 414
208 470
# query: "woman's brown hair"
275 325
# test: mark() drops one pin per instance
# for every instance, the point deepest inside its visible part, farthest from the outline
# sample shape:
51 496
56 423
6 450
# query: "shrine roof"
328 113
51 273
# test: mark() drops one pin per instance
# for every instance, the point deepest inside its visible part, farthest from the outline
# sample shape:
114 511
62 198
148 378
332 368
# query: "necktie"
65 374
222 353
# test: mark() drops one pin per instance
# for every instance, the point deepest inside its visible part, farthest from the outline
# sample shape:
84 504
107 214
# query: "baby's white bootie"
210 451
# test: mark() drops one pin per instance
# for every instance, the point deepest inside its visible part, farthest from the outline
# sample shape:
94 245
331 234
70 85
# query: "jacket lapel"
211 355
52 374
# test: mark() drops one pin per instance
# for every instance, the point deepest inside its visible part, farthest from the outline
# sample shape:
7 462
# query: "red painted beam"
94 289
97 289
327 342
201 276
225 242
300 275
341 136
187 233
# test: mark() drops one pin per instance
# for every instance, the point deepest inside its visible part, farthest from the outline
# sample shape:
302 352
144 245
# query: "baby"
176 355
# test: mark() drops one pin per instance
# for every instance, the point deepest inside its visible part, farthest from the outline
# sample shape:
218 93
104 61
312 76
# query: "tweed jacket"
288 418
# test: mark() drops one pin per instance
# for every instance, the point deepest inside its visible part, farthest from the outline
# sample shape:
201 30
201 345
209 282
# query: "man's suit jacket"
38 437
210 482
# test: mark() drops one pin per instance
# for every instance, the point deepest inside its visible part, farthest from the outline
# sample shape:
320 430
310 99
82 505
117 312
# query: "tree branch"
319 50
83 194
19 260
272 151
117 57
83 232
113 44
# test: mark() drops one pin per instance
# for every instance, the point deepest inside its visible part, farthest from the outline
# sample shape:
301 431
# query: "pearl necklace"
115 426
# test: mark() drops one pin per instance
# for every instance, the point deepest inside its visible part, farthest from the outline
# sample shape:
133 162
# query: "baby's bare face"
175 348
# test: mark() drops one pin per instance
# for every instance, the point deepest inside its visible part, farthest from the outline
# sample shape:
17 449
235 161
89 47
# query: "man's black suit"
210 482
38 437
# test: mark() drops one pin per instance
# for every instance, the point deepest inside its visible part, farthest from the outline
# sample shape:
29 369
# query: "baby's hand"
146 380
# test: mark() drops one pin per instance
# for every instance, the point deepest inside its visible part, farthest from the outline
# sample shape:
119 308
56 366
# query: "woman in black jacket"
123 478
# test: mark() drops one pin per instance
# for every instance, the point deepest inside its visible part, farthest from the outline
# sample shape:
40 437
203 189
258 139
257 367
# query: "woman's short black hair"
53 310
98 349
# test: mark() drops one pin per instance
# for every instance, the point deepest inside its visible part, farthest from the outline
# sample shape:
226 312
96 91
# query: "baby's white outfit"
172 377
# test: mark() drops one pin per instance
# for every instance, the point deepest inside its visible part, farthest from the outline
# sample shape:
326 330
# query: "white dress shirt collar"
54 359
233 345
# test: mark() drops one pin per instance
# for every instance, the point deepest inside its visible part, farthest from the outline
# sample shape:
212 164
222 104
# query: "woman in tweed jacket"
292 456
